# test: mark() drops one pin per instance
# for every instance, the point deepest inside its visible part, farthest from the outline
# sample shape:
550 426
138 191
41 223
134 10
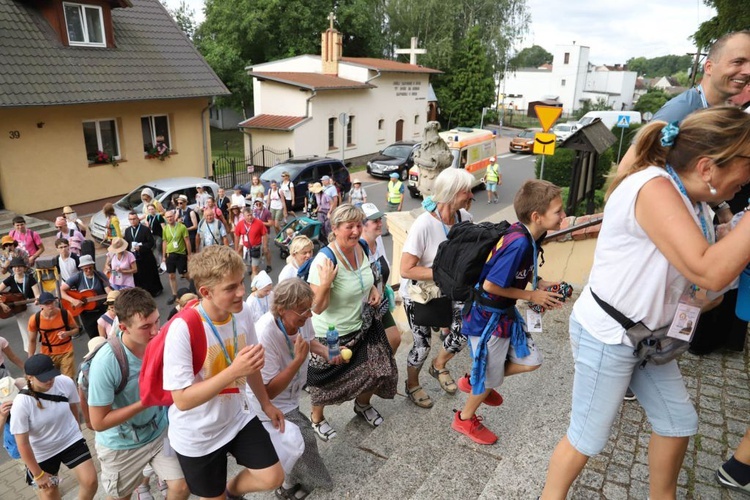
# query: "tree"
471 85
530 57
731 15
599 105
184 16
652 101
659 66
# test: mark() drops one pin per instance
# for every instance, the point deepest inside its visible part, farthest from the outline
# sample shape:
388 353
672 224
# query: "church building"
342 107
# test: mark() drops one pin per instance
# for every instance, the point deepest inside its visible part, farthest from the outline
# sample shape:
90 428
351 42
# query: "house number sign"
14 134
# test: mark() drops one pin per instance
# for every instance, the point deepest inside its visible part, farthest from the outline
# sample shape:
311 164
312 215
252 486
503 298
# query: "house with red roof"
343 107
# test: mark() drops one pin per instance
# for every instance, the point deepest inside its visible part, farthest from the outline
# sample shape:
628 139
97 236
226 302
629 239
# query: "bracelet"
41 475
723 205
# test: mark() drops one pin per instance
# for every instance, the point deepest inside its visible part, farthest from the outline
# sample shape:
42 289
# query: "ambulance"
471 148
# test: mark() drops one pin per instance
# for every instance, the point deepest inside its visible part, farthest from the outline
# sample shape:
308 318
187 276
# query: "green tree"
659 66
530 57
470 86
652 101
682 78
731 15
184 16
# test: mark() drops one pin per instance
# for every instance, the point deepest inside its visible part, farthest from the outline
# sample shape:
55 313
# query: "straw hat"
118 245
316 187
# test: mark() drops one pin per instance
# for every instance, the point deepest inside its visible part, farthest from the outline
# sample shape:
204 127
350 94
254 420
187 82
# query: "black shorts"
72 456
177 262
288 204
206 476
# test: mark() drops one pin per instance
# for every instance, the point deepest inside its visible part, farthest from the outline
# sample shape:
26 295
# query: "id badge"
687 314
175 245
533 321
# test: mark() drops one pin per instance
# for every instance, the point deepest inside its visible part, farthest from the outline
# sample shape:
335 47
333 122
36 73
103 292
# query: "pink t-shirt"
123 261
29 241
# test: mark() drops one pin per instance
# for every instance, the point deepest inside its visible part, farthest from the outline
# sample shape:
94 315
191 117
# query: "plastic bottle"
332 339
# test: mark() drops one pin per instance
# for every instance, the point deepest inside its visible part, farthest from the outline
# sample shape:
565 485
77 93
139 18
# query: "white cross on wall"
413 51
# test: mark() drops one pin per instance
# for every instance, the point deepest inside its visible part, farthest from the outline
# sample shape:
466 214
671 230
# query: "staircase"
45 228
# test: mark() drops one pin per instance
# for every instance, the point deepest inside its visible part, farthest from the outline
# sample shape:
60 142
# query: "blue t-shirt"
511 265
676 109
104 377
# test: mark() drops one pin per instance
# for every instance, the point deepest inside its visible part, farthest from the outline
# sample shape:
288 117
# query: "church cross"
331 18
412 51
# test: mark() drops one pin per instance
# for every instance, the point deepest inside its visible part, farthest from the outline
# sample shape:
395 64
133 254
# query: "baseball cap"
325 178
41 367
182 197
371 211
394 175
46 298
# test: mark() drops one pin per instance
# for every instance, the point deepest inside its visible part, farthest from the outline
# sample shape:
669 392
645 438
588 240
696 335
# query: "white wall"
532 85
273 98
303 64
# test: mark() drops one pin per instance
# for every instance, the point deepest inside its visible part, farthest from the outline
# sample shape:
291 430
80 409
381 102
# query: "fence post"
234 173
263 154
290 152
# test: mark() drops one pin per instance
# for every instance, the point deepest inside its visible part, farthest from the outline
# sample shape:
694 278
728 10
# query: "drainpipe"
377 75
307 103
205 136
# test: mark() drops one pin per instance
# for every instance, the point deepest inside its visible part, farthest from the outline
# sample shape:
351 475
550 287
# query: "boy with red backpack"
211 415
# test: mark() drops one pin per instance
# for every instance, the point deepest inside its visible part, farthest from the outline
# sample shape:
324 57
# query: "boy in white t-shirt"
211 415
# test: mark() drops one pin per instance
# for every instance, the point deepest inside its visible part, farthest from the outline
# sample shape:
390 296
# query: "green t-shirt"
104 377
347 294
174 237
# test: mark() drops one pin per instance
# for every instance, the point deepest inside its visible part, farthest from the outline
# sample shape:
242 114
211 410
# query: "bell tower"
330 48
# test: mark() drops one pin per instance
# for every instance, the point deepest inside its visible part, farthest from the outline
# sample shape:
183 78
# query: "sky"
614 30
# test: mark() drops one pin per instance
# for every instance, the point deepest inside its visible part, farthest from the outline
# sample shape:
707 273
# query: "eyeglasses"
304 314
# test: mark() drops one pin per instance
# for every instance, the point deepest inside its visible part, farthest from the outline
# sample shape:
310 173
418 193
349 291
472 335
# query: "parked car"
164 190
523 142
398 157
564 130
304 171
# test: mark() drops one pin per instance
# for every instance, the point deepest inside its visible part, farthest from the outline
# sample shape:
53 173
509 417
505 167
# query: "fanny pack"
650 345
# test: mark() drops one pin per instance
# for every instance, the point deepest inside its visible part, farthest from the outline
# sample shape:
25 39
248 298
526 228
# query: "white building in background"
298 102
569 80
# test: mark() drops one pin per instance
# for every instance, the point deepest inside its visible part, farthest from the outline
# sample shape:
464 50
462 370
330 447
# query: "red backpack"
151 379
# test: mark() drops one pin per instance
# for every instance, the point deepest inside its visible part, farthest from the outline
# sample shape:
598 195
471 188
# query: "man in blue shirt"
130 436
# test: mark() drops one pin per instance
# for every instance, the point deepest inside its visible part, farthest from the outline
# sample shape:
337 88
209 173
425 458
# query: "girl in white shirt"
261 298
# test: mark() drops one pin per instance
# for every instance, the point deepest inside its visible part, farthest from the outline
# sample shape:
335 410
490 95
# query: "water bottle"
742 309
332 339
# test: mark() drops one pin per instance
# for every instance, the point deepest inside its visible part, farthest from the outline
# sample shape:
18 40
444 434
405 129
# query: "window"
562 82
381 130
349 129
331 135
381 124
416 119
155 129
567 58
101 135
85 24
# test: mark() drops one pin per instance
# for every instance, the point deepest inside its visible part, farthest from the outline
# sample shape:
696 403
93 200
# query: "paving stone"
712 431
712 446
618 474
704 491
711 417
592 478
615 492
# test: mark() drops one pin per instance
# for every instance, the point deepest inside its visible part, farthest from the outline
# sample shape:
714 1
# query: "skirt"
310 471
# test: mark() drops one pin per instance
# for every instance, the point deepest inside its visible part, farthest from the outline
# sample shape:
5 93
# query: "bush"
627 139
558 168
581 208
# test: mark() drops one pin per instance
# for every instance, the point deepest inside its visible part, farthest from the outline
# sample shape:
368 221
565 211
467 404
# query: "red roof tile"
388 66
272 122
312 81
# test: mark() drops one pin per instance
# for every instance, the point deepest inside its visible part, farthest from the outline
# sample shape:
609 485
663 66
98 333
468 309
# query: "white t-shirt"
259 305
238 200
278 357
274 200
201 430
286 189
67 267
629 271
289 271
51 429
423 239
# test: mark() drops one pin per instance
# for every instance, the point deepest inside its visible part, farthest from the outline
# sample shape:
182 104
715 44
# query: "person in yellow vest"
492 179
395 194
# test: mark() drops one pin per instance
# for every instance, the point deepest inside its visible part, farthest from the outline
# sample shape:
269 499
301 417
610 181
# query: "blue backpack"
304 271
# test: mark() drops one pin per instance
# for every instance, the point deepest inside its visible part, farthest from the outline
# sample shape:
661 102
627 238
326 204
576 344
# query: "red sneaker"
473 428
493 398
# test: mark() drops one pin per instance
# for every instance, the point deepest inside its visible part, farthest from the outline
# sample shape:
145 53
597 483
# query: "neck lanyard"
23 285
699 88
697 207
289 345
218 337
445 228
85 282
151 219
535 277
134 232
348 266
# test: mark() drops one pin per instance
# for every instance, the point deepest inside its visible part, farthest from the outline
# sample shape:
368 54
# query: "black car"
398 157
304 171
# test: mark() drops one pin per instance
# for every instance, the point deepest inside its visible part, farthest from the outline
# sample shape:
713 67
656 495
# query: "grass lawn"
227 142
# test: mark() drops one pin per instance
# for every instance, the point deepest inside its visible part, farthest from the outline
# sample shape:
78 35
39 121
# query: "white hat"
371 211
94 343
8 389
261 280
86 260
492 158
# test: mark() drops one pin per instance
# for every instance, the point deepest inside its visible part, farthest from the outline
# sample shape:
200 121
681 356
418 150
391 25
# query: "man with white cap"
492 179
88 278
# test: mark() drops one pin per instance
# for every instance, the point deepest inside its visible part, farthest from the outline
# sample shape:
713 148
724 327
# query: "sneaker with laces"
727 481
143 493
493 398
473 429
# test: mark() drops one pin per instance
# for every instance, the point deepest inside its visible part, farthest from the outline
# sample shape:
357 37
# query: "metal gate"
229 170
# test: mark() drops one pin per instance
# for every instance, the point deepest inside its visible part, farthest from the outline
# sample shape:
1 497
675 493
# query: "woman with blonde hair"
113 223
656 257
300 251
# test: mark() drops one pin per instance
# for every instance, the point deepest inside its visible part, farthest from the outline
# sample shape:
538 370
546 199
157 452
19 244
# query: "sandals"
444 377
296 492
418 396
323 429
370 414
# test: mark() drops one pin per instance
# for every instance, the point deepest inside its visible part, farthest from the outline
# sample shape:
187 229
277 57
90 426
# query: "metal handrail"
563 232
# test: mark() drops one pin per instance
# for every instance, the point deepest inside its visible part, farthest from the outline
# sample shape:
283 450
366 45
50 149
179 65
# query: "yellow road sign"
544 143
547 115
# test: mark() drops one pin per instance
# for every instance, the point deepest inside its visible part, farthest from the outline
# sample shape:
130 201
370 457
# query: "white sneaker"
143 493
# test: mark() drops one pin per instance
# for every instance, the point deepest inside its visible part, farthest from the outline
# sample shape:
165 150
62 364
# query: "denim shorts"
603 373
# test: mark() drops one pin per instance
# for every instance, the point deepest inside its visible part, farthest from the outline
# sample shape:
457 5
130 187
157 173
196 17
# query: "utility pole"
696 61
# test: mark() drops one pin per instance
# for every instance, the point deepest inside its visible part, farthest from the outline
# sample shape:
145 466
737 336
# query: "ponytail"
34 394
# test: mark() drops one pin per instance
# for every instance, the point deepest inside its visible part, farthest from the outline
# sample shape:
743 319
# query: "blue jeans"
603 373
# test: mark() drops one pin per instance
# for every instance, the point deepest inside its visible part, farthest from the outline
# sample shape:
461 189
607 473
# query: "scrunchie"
668 134
429 204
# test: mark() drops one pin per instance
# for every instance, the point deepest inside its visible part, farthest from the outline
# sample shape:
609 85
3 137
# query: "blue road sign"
623 121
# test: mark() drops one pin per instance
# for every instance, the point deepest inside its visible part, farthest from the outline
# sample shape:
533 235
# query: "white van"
609 118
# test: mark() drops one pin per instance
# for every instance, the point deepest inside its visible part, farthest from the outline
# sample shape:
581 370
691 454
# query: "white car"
564 130
164 190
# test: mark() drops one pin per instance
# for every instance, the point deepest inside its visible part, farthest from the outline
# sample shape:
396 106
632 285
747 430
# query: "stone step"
45 228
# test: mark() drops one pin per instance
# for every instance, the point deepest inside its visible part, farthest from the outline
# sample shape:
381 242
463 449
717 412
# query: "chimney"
330 49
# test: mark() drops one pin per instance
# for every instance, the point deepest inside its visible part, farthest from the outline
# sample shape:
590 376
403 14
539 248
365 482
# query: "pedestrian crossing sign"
623 121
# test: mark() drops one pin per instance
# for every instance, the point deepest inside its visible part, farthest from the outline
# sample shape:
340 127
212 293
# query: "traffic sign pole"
619 150
541 169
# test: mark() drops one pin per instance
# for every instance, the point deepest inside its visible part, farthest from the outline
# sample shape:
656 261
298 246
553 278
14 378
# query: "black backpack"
459 259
